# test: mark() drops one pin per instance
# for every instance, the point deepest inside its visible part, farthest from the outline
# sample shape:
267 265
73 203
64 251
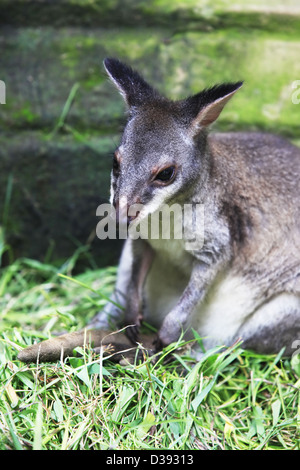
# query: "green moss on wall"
58 147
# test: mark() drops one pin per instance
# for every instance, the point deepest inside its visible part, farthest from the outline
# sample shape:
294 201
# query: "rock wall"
62 119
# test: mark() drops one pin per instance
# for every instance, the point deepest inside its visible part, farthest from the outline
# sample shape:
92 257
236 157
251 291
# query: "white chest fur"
167 279
229 302
173 252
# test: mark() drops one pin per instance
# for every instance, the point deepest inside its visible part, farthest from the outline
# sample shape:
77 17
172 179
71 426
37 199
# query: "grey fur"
245 280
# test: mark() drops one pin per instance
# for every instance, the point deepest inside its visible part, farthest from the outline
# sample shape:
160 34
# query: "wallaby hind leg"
62 346
274 326
102 330
114 344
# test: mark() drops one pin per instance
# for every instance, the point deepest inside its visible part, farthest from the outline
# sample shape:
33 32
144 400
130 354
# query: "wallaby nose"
130 218
122 209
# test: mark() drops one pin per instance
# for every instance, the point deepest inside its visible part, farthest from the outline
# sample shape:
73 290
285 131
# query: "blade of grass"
12 430
65 110
37 441
86 286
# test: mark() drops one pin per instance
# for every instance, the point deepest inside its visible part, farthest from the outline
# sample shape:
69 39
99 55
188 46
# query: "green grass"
229 400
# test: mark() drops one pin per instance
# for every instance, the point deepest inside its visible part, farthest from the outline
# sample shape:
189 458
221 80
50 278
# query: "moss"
179 46
25 114
163 13
58 205
52 61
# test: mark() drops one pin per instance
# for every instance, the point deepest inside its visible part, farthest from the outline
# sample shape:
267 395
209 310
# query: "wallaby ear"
134 89
203 109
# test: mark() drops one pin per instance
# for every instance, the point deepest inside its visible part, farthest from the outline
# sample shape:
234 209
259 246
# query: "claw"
132 333
158 344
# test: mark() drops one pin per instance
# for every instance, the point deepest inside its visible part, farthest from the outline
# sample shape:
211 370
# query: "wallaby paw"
125 356
158 344
133 333
163 340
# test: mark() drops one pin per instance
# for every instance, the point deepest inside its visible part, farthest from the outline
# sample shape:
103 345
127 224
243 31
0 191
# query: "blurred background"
62 118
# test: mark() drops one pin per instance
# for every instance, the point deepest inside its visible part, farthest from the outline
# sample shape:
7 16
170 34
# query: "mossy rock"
57 148
56 187
41 66
272 15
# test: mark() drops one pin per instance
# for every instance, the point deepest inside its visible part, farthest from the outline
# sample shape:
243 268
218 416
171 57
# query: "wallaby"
243 279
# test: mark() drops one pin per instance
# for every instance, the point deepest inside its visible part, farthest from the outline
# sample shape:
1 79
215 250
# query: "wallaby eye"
166 175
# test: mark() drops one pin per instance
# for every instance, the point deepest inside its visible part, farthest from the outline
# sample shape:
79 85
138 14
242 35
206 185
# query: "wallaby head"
162 152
